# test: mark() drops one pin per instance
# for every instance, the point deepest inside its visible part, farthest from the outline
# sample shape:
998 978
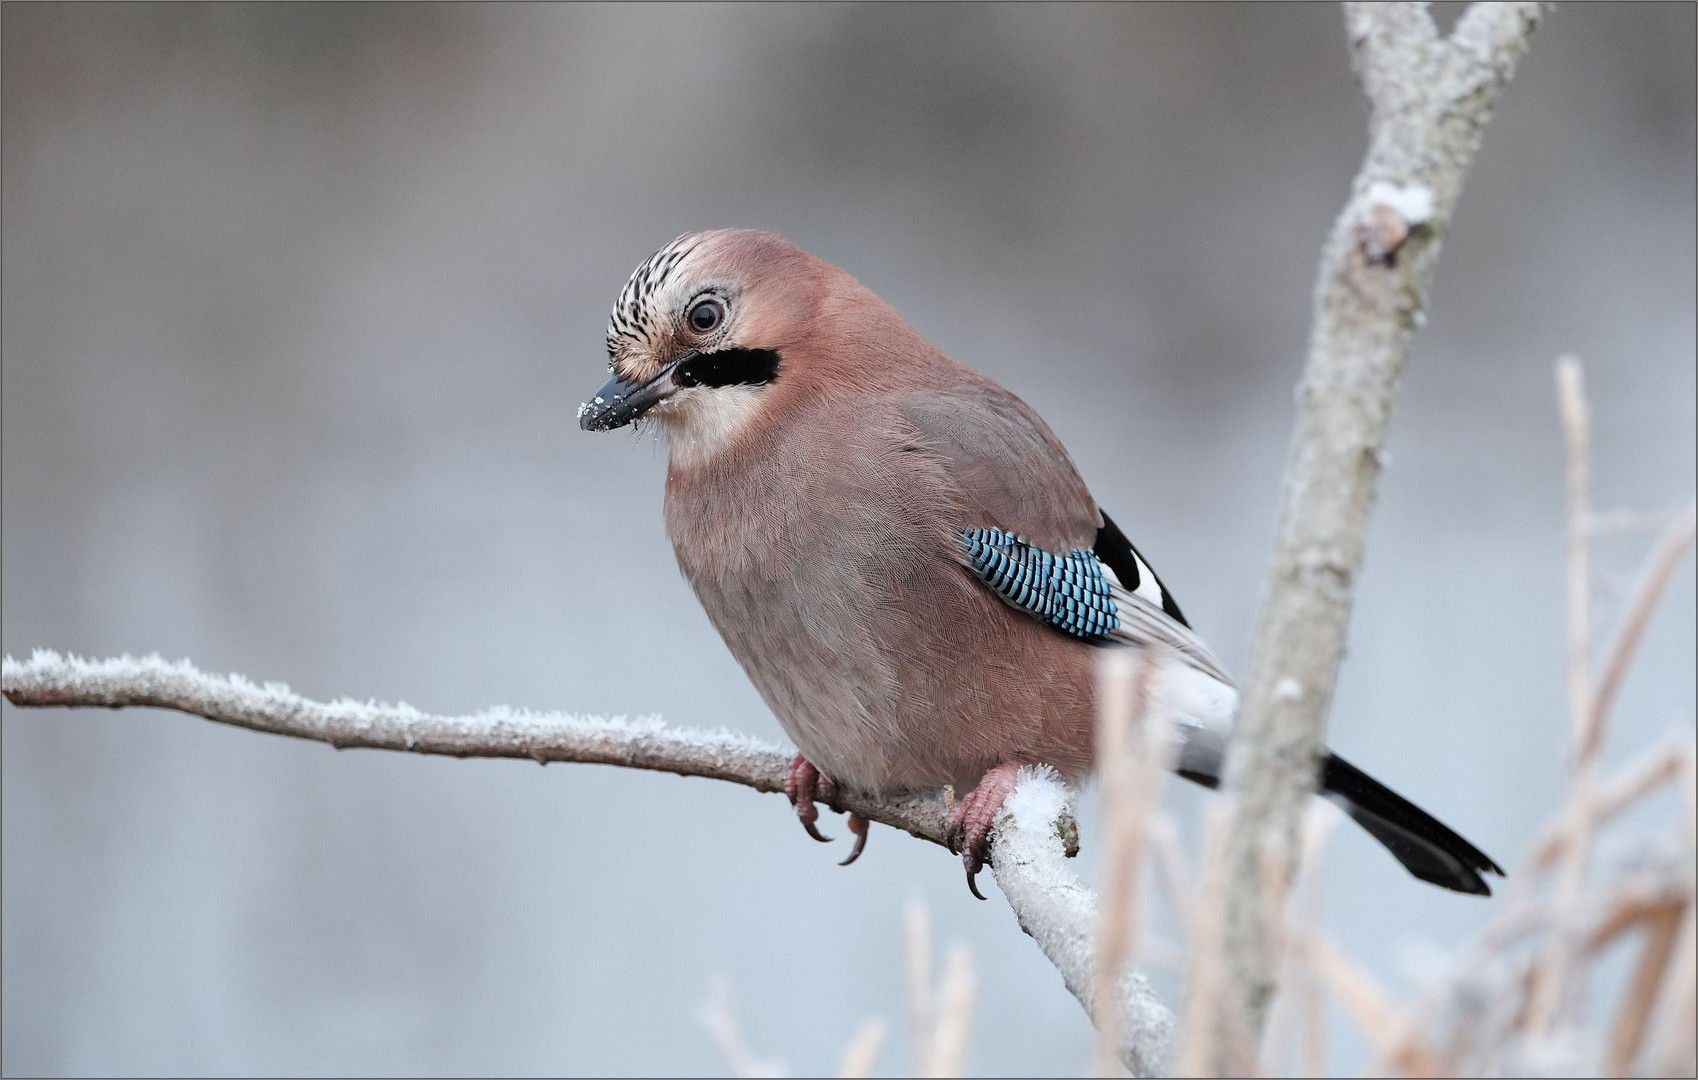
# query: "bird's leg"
970 820
803 784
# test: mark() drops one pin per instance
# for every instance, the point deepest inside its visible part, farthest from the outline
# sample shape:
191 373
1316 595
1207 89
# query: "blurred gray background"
299 302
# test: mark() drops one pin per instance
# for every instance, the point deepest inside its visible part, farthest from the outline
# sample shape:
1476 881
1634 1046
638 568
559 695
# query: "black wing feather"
1120 556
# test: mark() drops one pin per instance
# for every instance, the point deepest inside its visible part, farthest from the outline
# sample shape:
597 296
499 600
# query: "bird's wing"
1031 531
1075 592
1004 466
1148 612
1142 623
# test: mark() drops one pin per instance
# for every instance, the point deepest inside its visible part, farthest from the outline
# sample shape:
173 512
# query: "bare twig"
1430 100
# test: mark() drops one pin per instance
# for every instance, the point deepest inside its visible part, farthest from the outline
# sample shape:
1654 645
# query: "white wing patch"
1143 622
1148 587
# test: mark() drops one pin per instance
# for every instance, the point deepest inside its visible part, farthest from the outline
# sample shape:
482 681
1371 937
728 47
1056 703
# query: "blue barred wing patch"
1067 591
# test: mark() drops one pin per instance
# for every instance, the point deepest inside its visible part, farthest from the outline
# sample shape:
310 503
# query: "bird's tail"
1424 845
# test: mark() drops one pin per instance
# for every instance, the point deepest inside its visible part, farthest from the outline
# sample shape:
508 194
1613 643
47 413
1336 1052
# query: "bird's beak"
620 402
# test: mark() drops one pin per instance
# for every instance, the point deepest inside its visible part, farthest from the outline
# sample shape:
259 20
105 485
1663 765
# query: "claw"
859 826
803 784
807 813
970 820
816 834
974 861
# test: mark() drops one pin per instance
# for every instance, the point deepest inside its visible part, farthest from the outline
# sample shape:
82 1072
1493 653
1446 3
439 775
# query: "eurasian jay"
902 555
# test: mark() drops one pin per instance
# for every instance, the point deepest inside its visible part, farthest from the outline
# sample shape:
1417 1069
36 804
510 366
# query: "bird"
902 555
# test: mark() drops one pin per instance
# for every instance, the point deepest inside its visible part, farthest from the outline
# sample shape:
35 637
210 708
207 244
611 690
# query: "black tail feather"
1424 845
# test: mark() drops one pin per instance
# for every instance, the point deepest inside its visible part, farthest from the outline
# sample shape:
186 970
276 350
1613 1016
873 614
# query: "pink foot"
803 784
970 820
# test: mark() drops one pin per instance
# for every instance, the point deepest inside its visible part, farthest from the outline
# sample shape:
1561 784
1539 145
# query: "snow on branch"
1035 832
50 679
1429 99
1060 913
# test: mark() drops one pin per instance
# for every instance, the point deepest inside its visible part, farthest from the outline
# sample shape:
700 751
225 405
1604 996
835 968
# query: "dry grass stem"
1117 671
1158 952
718 1015
861 1054
1297 1017
1318 831
917 952
1662 764
942 1015
1131 753
1171 871
1388 1026
952 1027
1577 439
1641 998
1204 974
1665 558
1674 1049
1552 977
1507 1012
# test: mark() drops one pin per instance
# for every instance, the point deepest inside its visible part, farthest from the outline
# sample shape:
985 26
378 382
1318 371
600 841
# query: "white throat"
702 421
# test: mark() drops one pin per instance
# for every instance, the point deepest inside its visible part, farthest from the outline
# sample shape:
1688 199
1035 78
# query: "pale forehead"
653 290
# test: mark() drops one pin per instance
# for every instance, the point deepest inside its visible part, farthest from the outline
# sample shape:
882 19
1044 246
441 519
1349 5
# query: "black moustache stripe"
729 367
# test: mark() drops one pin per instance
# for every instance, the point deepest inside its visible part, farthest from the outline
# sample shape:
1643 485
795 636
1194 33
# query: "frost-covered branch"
1060 914
1034 835
50 679
1430 98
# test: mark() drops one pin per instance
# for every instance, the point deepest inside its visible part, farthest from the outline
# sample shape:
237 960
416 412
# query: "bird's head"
702 333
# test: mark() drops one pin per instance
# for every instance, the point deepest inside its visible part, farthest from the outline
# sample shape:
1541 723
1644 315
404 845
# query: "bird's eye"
706 315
